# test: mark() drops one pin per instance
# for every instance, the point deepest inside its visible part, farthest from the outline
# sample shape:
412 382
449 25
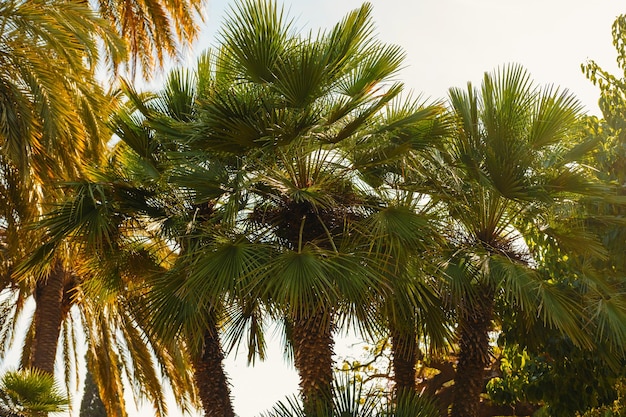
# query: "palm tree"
112 263
199 188
411 309
156 196
291 107
403 232
50 99
104 281
53 102
509 182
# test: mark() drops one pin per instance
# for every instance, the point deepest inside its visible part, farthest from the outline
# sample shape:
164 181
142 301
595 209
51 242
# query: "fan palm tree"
403 231
202 206
160 190
291 107
411 310
509 184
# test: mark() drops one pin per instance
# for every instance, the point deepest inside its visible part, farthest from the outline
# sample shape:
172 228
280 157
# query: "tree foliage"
287 178
559 376
31 393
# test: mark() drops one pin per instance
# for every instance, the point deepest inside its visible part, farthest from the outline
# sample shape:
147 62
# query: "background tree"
91 405
610 160
556 377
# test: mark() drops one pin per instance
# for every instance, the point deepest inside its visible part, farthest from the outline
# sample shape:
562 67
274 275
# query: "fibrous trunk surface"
48 318
211 379
474 327
313 352
404 351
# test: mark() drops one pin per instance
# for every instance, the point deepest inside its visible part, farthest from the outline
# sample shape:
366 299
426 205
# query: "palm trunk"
211 380
404 354
313 355
474 326
48 318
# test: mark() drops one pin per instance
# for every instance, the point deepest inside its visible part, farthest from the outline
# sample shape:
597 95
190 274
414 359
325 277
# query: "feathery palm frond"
153 30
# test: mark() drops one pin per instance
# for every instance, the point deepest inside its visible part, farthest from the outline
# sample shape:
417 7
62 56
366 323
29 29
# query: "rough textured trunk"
474 326
404 353
211 380
50 310
313 356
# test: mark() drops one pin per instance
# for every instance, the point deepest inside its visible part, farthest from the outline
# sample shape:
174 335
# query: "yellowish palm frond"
154 30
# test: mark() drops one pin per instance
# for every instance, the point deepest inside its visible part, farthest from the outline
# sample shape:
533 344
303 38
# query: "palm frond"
255 36
152 30
30 392
558 308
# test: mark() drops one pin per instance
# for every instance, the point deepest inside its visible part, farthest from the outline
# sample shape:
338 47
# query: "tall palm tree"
411 309
50 100
509 182
112 261
54 111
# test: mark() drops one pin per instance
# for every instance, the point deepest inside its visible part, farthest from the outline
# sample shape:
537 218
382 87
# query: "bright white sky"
448 42
451 42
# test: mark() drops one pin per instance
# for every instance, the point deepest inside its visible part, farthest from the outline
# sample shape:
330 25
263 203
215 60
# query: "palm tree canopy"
515 174
48 93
